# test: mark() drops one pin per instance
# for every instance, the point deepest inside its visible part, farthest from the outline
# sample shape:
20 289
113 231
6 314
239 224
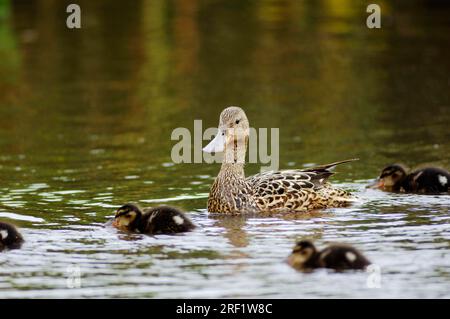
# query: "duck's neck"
232 171
234 155
234 160
230 182
137 223
402 183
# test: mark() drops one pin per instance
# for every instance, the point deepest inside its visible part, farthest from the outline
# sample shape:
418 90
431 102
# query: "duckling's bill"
378 183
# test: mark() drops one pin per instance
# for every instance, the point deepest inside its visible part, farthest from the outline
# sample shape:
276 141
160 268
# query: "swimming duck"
9 237
305 256
274 191
430 180
152 220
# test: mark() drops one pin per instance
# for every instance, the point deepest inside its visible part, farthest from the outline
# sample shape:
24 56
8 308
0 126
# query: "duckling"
305 256
152 220
9 237
426 180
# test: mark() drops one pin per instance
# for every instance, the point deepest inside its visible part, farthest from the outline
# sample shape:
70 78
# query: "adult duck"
274 191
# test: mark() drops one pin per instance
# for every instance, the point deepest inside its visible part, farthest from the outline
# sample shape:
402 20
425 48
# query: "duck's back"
342 257
427 180
166 220
9 237
296 190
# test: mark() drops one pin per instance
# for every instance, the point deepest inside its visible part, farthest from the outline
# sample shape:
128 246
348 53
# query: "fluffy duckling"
426 180
152 220
305 256
9 237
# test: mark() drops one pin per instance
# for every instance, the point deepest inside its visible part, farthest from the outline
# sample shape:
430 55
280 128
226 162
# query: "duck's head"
390 177
232 135
127 217
9 236
303 254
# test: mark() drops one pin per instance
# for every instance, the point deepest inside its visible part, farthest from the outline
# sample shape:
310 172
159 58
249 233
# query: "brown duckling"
152 220
431 180
305 256
9 237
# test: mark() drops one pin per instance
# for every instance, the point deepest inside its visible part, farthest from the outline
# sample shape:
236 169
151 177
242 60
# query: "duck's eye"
237 121
223 133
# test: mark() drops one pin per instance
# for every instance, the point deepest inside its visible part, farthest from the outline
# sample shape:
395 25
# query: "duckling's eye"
223 133
237 121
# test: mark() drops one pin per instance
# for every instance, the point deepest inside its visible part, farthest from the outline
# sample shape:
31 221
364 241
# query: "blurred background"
86 114
137 70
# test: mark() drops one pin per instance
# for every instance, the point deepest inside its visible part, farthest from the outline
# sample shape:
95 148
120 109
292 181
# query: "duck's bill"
378 183
216 145
115 223
109 222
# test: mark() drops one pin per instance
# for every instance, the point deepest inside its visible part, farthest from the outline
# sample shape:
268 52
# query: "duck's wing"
313 177
289 189
287 179
292 188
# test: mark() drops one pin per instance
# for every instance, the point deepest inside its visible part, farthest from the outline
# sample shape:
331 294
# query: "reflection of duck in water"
288 190
234 228
152 220
430 180
305 256
9 237
237 236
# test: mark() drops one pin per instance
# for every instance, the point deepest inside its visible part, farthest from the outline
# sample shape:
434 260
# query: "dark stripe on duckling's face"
127 208
390 177
303 244
394 169
126 216
303 255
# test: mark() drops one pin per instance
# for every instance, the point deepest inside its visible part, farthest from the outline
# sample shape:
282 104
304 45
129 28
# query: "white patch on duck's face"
442 179
178 220
4 234
350 256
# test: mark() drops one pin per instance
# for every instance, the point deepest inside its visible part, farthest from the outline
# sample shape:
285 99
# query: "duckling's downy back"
9 237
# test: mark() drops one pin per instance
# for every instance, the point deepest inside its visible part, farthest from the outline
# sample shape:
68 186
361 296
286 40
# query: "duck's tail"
328 167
